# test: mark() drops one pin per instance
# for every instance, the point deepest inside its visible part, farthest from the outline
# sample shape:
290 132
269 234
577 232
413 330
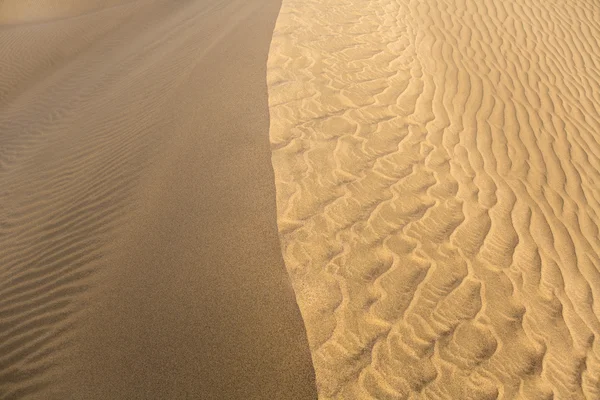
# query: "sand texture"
139 252
437 168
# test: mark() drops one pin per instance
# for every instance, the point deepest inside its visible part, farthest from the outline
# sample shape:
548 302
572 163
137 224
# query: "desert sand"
423 225
139 252
437 169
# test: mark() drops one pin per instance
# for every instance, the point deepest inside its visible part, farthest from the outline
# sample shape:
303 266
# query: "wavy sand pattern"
438 184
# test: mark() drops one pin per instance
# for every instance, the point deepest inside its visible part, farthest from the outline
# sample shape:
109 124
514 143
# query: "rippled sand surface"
437 166
139 255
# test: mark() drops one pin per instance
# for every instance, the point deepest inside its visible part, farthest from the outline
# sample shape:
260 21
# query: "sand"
430 231
437 169
139 252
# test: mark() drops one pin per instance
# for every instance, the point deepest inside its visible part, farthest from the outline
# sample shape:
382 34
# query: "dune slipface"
437 168
139 254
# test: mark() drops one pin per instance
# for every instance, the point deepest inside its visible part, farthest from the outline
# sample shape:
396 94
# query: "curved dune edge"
437 168
139 252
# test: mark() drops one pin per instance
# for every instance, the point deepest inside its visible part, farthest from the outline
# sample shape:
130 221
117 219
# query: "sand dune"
437 168
139 256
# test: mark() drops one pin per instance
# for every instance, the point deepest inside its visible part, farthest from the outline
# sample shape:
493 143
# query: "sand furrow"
437 175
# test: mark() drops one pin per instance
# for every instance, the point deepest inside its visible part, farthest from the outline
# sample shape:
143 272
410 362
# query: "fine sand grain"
437 168
139 256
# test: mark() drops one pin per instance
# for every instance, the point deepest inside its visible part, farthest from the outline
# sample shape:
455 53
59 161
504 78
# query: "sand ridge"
437 167
139 255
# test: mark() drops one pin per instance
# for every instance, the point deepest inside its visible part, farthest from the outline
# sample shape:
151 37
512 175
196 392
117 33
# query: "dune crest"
437 168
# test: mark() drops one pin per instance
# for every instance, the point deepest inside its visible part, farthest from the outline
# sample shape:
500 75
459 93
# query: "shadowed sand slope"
20 11
437 167
139 256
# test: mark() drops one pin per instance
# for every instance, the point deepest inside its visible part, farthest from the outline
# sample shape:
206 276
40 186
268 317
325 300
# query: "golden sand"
437 167
139 256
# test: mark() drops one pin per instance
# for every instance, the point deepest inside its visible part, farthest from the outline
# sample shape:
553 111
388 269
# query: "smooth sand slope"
139 256
437 167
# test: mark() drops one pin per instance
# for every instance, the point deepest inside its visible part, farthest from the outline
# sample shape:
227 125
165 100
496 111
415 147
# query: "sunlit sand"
437 167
